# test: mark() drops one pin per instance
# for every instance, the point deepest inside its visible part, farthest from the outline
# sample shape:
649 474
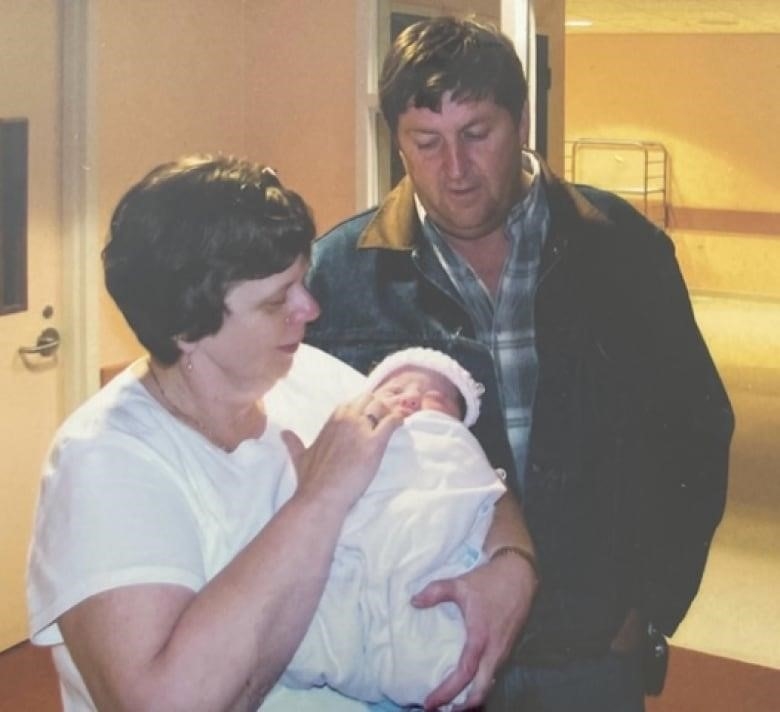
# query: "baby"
424 517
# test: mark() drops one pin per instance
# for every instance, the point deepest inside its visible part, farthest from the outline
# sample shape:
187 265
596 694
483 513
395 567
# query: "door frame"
79 174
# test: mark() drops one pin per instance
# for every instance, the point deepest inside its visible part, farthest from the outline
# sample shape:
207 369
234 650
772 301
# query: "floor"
696 682
28 682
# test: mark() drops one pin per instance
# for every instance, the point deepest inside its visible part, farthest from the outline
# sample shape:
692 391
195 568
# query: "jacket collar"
394 225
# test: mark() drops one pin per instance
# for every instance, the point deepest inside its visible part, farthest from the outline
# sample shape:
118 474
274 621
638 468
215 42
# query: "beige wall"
274 82
301 99
713 101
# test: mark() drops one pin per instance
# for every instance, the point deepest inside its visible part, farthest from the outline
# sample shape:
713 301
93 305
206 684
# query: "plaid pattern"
506 326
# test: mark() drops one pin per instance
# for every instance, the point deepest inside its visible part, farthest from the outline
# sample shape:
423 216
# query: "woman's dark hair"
188 231
434 56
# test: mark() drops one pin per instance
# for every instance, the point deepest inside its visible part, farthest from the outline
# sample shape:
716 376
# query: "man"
601 401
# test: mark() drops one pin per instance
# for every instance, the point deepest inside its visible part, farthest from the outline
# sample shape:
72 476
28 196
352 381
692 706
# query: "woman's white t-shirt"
130 495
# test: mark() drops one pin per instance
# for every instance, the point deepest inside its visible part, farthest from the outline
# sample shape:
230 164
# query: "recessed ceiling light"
578 23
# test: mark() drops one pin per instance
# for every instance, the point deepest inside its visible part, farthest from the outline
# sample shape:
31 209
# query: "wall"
273 82
713 101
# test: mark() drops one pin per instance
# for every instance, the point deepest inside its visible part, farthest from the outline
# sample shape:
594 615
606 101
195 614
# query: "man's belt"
534 651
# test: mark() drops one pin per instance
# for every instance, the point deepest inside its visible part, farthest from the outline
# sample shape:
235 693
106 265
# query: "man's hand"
495 600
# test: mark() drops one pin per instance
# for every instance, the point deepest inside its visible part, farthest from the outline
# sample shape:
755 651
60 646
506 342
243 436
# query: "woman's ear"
186 347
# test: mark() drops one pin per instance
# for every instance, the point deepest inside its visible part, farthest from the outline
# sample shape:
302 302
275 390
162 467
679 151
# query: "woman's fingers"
345 456
371 411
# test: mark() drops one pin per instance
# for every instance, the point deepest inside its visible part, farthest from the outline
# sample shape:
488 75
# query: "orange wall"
274 82
713 100
301 99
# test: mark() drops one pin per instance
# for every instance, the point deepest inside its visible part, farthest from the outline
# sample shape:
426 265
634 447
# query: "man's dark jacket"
626 475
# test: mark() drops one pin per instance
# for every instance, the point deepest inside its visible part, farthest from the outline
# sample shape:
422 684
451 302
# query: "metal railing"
648 187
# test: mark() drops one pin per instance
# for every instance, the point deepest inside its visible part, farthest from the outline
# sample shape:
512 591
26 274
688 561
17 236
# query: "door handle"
46 345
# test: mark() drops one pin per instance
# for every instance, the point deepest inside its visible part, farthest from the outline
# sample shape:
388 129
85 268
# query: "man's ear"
403 159
524 127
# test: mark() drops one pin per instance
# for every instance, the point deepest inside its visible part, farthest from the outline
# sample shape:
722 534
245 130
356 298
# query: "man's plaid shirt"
506 325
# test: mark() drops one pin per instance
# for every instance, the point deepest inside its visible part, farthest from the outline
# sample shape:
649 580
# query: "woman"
176 563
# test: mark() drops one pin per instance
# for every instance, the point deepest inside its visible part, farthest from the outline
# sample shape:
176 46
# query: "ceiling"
675 16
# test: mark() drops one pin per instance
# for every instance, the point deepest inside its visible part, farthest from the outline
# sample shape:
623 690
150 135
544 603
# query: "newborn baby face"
411 389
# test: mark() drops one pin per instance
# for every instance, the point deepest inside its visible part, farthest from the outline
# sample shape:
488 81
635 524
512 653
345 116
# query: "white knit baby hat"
434 361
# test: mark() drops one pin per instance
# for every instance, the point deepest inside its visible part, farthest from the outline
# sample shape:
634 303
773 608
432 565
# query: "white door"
30 393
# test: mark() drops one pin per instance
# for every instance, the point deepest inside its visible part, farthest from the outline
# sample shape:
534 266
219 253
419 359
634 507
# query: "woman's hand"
343 459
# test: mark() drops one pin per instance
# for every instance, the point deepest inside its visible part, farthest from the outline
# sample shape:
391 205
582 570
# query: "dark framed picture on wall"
13 215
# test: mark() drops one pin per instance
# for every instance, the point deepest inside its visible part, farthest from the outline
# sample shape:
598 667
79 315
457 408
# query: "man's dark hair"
189 230
442 54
